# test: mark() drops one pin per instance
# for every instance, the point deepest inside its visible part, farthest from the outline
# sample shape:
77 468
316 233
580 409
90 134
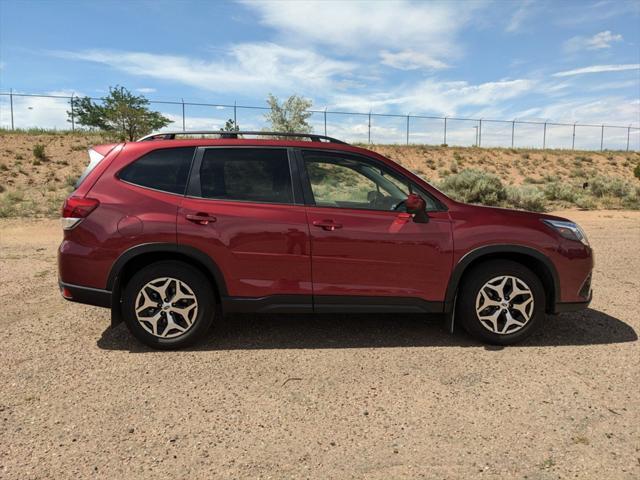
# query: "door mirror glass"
417 207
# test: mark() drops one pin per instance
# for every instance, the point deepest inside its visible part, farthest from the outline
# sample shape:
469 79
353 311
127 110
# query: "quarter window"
246 174
165 169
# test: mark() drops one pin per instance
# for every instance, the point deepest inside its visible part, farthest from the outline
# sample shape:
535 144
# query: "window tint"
352 182
248 174
349 182
165 170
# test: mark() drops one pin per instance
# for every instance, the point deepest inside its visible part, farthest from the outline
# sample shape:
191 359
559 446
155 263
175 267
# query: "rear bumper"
86 295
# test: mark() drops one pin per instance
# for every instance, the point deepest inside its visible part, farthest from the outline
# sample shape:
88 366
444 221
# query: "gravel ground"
318 397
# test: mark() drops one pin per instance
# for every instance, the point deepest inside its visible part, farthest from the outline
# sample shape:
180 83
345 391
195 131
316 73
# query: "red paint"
267 249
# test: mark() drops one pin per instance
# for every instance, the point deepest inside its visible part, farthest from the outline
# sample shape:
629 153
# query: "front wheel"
501 302
168 305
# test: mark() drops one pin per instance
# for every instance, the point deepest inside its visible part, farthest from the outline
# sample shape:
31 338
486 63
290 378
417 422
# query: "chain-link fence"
24 111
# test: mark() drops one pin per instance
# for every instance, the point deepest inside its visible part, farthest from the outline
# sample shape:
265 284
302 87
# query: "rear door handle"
200 218
328 225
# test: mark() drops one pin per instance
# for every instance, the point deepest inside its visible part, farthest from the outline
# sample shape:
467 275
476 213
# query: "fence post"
513 131
573 140
369 128
602 138
628 134
480 133
235 115
445 131
544 136
73 120
407 129
183 125
325 121
11 106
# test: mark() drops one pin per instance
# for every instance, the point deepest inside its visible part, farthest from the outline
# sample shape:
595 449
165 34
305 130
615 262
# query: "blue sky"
563 61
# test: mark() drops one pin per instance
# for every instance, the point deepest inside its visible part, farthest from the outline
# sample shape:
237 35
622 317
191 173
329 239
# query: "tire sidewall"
475 280
196 281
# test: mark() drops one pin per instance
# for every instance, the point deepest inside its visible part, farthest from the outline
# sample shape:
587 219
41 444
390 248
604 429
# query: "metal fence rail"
409 128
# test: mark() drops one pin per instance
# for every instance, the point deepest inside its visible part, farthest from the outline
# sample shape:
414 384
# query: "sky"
569 61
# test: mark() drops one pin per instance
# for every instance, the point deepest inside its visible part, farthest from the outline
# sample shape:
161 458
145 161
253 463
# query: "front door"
365 245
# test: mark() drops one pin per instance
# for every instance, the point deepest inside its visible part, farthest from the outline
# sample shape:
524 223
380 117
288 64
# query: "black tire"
475 279
201 318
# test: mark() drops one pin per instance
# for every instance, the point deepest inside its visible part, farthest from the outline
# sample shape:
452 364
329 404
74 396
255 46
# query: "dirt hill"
35 180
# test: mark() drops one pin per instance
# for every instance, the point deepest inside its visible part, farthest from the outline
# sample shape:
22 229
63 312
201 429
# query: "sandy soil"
328 397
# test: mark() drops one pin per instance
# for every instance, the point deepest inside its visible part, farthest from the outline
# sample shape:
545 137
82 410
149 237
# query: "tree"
290 116
230 126
121 112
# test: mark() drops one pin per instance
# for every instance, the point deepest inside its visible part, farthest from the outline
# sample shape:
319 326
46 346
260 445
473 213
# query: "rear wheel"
168 305
501 302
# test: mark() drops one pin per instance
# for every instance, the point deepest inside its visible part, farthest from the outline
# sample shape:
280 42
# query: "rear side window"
246 174
166 170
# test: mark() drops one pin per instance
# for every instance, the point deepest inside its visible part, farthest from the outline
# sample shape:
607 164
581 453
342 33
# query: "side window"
165 170
246 174
349 182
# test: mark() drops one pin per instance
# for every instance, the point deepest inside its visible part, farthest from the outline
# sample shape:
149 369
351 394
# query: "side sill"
270 304
355 304
86 295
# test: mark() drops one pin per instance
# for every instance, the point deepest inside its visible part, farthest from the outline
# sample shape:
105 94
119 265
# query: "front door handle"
328 225
200 218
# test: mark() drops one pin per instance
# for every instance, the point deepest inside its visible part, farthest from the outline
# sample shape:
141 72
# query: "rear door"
243 210
367 252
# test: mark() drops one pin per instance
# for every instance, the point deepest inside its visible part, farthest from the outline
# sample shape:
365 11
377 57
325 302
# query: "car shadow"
246 332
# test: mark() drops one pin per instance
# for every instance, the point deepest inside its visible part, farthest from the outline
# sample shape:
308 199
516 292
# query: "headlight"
569 230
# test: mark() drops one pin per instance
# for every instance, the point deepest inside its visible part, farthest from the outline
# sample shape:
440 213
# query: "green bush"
474 186
601 186
526 197
585 202
636 171
38 152
560 191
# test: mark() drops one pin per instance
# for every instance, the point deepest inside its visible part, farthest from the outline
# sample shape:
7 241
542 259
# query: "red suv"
176 228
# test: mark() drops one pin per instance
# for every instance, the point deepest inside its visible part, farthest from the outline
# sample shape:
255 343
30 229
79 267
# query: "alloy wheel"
166 307
504 304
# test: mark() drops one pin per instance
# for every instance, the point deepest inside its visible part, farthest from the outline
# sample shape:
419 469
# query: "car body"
304 236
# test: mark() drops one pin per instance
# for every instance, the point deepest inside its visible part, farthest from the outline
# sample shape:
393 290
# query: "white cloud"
361 27
521 14
598 69
438 98
599 41
40 112
410 60
146 90
254 67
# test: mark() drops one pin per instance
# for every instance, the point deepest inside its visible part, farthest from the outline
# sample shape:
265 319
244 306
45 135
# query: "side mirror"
417 207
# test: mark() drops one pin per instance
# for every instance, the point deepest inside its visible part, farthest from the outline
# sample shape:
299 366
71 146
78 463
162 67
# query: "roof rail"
172 135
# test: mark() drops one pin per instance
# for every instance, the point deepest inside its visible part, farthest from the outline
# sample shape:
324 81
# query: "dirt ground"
355 396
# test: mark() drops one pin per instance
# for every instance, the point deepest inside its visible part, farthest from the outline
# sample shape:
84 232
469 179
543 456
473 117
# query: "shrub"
560 191
454 166
526 197
38 152
474 186
636 171
601 186
585 202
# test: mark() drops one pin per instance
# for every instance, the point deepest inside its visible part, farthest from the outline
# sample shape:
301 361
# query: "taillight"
75 209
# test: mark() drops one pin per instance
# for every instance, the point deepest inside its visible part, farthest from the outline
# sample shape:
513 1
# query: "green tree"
230 126
289 116
121 112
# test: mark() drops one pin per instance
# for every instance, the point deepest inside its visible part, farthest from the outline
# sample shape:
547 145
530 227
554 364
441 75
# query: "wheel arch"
533 259
141 255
